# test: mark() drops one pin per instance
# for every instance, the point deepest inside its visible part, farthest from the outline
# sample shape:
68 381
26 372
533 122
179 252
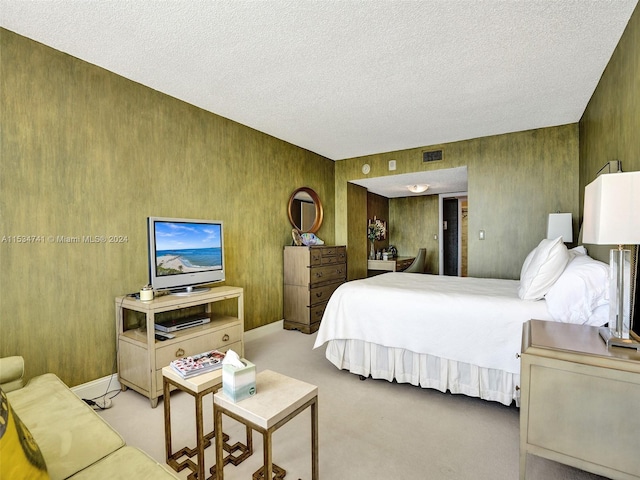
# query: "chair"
418 264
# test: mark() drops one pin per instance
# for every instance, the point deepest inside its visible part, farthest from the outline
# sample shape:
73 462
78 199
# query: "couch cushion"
70 434
20 457
11 373
125 464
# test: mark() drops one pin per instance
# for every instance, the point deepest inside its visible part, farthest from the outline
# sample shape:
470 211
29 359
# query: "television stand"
141 357
189 291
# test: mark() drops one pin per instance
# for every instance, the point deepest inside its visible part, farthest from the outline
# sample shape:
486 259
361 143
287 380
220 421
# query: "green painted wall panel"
415 221
357 242
515 181
610 125
86 152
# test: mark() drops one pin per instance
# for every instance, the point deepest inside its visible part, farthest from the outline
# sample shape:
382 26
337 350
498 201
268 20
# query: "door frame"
441 197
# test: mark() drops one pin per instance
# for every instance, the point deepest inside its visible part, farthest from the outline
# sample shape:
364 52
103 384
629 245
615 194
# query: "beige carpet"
368 429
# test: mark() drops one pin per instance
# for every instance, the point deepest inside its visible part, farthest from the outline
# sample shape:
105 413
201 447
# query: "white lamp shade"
612 210
559 225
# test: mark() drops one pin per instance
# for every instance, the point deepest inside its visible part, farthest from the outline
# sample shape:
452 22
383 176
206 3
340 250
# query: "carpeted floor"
368 429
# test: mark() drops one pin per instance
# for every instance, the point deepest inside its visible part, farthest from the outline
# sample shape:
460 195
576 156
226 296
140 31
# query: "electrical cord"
102 402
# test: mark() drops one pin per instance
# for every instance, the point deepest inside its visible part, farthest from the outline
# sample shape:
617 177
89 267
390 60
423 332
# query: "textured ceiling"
348 78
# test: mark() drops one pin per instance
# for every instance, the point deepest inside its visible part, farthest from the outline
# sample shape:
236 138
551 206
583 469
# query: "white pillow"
579 250
580 290
541 268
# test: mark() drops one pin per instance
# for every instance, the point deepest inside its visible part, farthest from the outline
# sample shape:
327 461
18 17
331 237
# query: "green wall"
610 125
357 241
515 181
86 152
415 221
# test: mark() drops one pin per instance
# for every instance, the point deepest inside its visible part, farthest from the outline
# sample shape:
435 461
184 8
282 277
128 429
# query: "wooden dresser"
311 275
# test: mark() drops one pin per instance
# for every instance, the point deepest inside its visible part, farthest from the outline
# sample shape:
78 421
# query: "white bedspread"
472 320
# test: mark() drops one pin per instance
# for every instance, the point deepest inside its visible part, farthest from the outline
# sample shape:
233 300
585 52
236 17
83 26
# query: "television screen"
185 252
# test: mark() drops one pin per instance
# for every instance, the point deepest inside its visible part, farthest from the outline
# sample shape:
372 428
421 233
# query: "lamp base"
612 341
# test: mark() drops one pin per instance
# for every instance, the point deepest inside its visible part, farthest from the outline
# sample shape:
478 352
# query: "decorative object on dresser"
579 400
611 205
141 356
311 275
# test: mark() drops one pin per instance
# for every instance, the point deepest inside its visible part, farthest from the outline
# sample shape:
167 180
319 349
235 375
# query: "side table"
579 400
198 387
278 399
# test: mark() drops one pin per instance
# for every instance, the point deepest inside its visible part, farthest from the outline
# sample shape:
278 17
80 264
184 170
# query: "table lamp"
612 217
559 225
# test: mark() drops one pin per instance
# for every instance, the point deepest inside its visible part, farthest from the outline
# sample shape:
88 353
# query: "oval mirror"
305 210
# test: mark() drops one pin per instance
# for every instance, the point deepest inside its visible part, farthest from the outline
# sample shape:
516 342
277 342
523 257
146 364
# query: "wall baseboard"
264 330
100 386
96 388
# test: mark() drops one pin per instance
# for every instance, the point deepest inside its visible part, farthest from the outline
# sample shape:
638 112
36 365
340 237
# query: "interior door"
450 236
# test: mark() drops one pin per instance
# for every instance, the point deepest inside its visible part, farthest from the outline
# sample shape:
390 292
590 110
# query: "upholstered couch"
73 440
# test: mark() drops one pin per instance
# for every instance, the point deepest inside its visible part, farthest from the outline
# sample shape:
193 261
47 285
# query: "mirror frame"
317 223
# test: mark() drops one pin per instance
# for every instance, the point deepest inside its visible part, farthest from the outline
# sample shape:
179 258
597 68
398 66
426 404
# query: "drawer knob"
179 353
517 355
225 338
318 294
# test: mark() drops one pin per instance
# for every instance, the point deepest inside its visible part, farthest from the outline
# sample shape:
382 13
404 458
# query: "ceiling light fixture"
418 188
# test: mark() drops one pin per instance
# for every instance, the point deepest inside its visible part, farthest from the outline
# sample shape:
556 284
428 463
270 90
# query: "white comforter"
472 320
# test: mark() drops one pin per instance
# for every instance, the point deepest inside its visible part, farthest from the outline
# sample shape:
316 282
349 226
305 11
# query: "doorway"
453 234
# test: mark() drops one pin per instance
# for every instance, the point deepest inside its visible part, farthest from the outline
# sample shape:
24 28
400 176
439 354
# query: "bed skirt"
427 371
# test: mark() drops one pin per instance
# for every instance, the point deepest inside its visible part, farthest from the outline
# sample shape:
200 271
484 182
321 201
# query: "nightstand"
580 402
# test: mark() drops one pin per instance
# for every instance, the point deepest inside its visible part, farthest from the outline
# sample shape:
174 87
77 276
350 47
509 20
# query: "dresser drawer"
329 273
327 255
334 256
322 294
218 339
315 314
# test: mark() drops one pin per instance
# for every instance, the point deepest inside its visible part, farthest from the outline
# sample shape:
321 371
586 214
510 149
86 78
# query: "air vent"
432 156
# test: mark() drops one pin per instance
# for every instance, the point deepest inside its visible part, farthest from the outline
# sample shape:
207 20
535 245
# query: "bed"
459 334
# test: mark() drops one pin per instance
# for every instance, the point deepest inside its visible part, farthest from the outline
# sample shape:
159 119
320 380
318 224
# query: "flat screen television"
185 254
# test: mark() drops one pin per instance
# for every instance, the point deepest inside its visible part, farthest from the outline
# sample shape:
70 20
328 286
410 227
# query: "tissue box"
239 383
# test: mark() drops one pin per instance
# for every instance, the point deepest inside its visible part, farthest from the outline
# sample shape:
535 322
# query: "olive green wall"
515 181
357 242
86 152
610 125
414 222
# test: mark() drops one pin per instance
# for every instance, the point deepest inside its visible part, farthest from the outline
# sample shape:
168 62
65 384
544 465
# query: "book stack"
193 365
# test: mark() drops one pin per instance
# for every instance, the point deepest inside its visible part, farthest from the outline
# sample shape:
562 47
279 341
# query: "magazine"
197 364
